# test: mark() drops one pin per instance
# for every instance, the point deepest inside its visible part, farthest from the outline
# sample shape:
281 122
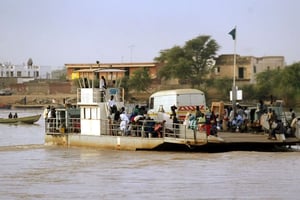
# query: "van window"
151 103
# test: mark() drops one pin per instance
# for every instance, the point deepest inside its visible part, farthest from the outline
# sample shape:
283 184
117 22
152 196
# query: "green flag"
233 33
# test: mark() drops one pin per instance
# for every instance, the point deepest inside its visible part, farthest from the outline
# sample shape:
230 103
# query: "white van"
185 100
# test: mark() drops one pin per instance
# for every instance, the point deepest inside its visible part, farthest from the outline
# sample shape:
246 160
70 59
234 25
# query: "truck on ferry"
185 100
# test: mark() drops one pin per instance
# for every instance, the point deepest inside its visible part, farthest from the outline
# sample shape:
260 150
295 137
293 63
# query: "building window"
254 69
19 73
241 73
36 74
268 68
278 67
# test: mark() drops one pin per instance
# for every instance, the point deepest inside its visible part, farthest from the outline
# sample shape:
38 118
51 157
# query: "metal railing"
142 128
59 126
96 95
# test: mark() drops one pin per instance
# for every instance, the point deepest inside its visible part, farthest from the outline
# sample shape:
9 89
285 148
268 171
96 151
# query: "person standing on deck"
292 114
173 111
124 121
102 86
46 111
112 104
293 124
198 112
271 117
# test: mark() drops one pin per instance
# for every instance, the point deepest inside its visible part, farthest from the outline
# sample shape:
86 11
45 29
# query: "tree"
140 81
289 84
223 85
291 77
191 63
283 83
124 84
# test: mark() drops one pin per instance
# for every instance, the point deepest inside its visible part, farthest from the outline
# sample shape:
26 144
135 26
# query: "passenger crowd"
244 120
238 119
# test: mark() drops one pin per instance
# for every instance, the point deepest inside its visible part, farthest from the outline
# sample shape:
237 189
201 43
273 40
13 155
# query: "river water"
31 170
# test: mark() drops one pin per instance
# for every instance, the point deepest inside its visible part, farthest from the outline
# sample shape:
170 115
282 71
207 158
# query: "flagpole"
234 89
234 62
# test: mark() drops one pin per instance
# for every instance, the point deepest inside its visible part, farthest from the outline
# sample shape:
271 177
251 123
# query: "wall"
42 87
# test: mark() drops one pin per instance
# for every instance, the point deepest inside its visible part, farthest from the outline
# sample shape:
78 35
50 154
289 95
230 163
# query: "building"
19 71
247 67
12 74
116 70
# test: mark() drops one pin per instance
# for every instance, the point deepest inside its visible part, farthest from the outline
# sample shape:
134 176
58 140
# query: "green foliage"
173 59
249 92
124 84
279 84
282 84
291 77
224 85
140 81
191 62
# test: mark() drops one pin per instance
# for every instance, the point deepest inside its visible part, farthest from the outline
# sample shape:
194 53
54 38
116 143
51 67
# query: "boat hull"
252 142
124 142
26 120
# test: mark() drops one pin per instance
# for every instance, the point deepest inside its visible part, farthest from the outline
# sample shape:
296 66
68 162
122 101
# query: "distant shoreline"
37 99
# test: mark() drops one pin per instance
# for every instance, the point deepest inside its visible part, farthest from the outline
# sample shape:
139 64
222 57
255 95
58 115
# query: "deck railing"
142 128
96 95
55 126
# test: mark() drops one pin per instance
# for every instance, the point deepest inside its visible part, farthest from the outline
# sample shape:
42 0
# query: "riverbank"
37 99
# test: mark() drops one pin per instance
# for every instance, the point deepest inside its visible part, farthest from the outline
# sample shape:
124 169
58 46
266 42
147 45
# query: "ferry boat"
91 124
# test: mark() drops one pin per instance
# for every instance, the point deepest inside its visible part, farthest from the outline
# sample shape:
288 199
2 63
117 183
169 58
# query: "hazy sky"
55 32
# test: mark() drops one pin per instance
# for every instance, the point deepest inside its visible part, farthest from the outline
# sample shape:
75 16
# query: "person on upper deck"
112 104
102 83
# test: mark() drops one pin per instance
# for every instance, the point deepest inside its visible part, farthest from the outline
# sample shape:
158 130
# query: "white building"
22 73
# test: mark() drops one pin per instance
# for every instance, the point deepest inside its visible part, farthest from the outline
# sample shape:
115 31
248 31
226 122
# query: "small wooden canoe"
27 120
